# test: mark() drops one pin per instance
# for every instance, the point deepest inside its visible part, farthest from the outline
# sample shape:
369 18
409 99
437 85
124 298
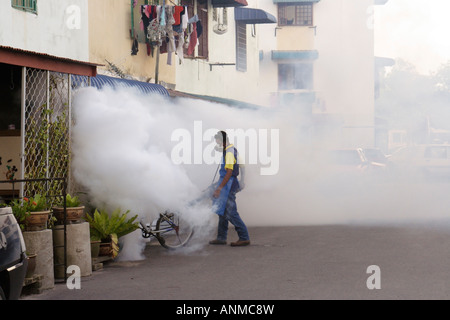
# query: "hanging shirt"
192 40
199 28
184 18
177 15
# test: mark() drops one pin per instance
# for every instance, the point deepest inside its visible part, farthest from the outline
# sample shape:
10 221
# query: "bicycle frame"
147 233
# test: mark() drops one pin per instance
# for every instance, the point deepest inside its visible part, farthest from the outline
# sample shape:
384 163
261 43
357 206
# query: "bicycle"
170 230
167 228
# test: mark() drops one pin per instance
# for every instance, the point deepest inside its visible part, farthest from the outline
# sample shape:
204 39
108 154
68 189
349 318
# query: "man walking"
224 196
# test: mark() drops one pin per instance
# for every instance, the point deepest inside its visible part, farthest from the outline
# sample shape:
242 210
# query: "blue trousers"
231 215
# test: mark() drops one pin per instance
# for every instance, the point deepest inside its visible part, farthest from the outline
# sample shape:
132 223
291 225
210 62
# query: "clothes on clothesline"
169 28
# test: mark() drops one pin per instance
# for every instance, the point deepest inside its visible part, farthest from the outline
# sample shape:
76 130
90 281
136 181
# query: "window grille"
26 5
295 14
46 148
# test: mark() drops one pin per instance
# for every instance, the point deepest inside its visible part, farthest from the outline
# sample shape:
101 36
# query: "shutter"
241 47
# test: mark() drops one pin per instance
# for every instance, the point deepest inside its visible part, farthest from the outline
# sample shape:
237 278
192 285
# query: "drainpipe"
22 128
157 66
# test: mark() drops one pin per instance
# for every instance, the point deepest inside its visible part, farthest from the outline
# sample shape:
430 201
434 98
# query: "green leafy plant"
35 204
20 212
103 225
22 208
71 202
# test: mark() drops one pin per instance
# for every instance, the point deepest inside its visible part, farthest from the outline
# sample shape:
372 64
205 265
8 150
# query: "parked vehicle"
348 159
376 156
13 260
358 161
424 160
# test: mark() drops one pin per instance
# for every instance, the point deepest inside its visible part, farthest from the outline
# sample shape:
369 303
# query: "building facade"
320 58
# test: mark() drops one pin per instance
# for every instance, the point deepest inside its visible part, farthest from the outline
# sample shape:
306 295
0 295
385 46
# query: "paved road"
283 263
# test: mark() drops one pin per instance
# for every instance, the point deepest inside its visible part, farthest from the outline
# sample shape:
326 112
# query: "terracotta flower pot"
36 221
73 214
95 249
31 265
105 249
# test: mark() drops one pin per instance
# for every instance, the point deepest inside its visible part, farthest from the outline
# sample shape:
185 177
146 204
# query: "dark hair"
221 135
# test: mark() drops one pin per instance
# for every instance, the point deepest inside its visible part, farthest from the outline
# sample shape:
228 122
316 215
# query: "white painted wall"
59 28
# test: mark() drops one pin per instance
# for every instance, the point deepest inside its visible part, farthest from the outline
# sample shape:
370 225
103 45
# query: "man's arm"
242 174
224 182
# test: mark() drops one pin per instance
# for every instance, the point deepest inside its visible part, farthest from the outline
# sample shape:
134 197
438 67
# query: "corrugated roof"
101 81
44 61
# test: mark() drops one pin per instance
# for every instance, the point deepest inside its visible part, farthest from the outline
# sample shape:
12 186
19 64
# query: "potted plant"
31 267
95 247
109 228
31 213
74 210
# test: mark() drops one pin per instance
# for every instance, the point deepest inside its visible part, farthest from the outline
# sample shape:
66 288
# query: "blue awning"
229 3
253 16
295 1
295 55
100 81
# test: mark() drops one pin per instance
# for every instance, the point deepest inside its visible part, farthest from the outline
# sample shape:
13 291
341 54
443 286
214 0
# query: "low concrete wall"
78 248
41 243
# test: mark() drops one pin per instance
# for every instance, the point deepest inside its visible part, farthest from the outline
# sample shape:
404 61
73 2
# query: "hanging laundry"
135 47
178 11
163 16
185 18
144 24
145 20
180 48
199 28
193 19
192 40
170 34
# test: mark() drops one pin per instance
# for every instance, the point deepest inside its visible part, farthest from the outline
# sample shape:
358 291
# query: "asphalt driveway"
283 263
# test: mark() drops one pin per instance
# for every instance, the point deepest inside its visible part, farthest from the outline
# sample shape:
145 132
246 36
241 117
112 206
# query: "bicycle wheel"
172 231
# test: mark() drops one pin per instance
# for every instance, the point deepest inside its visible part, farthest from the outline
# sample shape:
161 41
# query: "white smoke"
122 155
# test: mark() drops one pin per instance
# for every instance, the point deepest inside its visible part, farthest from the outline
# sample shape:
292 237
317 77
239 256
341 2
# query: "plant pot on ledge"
95 248
37 221
31 265
105 249
73 214
110 246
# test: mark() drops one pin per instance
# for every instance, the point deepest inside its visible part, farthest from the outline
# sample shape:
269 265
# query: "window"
241 47
26 5
295 14
295 76
202 13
